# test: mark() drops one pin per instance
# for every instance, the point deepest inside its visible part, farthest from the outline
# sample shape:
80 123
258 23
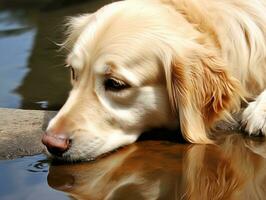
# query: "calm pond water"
148 170
25 178
32 77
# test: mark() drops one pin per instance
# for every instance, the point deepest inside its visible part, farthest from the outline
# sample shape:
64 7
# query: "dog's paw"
254 118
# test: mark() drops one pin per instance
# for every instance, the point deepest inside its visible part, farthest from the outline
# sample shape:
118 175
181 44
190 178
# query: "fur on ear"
74 27
201 91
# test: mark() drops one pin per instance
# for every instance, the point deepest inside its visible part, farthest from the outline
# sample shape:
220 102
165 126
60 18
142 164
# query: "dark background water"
32 75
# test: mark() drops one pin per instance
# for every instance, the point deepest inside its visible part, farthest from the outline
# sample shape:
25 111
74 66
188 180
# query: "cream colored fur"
187 62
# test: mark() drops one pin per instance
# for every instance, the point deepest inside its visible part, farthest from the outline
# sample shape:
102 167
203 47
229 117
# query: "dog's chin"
67 158
87 152
72 157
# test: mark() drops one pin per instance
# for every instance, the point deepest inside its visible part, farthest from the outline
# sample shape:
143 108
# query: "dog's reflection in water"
234 169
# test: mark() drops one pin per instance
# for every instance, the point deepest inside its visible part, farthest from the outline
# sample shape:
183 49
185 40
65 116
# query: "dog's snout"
56 144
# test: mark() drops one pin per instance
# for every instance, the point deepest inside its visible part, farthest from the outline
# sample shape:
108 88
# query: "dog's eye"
112 84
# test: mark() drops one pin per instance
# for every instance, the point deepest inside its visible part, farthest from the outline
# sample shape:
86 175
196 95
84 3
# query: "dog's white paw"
254 116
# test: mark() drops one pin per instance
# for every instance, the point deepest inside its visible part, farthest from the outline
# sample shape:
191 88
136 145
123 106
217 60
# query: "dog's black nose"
56 144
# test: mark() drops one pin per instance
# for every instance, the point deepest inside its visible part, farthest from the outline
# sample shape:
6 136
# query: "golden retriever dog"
143 64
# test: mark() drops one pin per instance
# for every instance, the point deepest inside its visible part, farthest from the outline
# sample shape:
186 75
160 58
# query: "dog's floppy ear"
74 27
201 91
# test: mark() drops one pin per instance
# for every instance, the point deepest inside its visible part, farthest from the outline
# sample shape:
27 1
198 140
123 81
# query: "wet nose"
56 144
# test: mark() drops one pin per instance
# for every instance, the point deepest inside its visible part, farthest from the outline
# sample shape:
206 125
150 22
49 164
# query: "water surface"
25 178
235 169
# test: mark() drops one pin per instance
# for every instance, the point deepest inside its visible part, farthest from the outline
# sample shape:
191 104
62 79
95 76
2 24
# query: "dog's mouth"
69 158
73 150
84 145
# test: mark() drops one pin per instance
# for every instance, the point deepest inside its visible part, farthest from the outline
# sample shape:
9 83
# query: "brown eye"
115 85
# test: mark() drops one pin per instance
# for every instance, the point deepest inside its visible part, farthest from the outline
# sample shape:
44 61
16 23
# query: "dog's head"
137 66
